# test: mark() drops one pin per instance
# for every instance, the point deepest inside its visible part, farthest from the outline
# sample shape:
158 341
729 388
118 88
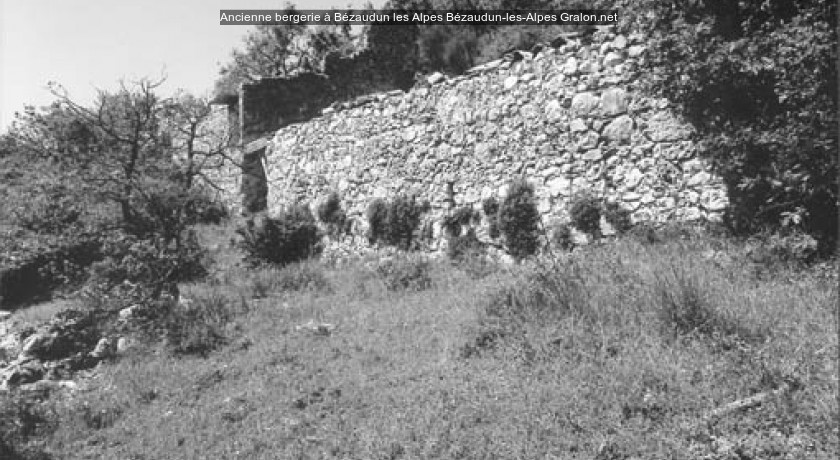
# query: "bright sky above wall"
90 44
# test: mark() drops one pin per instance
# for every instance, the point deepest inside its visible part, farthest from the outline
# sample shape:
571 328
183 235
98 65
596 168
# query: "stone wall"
273 102
567 118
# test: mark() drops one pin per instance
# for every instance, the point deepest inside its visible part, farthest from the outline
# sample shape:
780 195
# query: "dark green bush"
461 217
332 215
289 237
401 274
618 217
561 237
395 223
519 220
165 208
585 212
490 206
403 220
377 216
154 264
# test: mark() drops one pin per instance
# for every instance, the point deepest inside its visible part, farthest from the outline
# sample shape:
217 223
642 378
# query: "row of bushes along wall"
568 118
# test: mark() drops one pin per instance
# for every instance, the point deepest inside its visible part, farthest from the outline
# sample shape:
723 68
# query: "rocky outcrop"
70 342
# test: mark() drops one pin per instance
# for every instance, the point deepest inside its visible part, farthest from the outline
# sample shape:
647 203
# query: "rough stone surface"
619 130
569 110
614 101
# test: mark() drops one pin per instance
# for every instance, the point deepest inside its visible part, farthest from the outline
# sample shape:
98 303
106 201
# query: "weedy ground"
615 351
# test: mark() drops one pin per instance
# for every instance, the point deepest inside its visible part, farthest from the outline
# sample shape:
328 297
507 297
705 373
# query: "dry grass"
612 352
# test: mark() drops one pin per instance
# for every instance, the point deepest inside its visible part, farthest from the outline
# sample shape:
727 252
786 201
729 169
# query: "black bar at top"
408 17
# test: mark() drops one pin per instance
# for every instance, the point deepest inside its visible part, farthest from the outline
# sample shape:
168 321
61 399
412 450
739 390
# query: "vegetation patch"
291 236
405 274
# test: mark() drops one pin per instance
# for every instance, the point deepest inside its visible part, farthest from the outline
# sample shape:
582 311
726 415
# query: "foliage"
404 273
144 269
461 217
201 326
541 292
377 216
685 309
395 223
758 81
783 249
291 236
403 220
465 246
331 214
46 264
561 237
490 206
585 212
283 50
122 149
618 217
291 278
54 212
645 233
519 220
22 418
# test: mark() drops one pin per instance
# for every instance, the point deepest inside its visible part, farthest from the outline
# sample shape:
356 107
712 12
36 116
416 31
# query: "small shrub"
332 215
377 216
203 209
490 206
618 217
22 418
561 237
645 233
461 217
519 220
464 246
470 255
780 250
151 263
585 212
289 237
405 274
201 326
403 220
395 223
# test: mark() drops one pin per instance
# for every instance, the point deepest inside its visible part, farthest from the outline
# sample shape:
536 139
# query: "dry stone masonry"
568 118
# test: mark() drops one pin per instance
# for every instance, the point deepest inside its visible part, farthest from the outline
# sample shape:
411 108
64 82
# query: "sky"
87 45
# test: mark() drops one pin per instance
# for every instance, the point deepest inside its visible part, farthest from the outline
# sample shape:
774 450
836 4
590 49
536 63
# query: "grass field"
617 351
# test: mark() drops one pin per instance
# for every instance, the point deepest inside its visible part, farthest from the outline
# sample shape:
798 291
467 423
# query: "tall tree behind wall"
758 79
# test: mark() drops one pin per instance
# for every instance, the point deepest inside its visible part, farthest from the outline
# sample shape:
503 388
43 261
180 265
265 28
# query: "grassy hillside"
616 351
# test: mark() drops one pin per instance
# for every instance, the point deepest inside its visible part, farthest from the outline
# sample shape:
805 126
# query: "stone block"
614 102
